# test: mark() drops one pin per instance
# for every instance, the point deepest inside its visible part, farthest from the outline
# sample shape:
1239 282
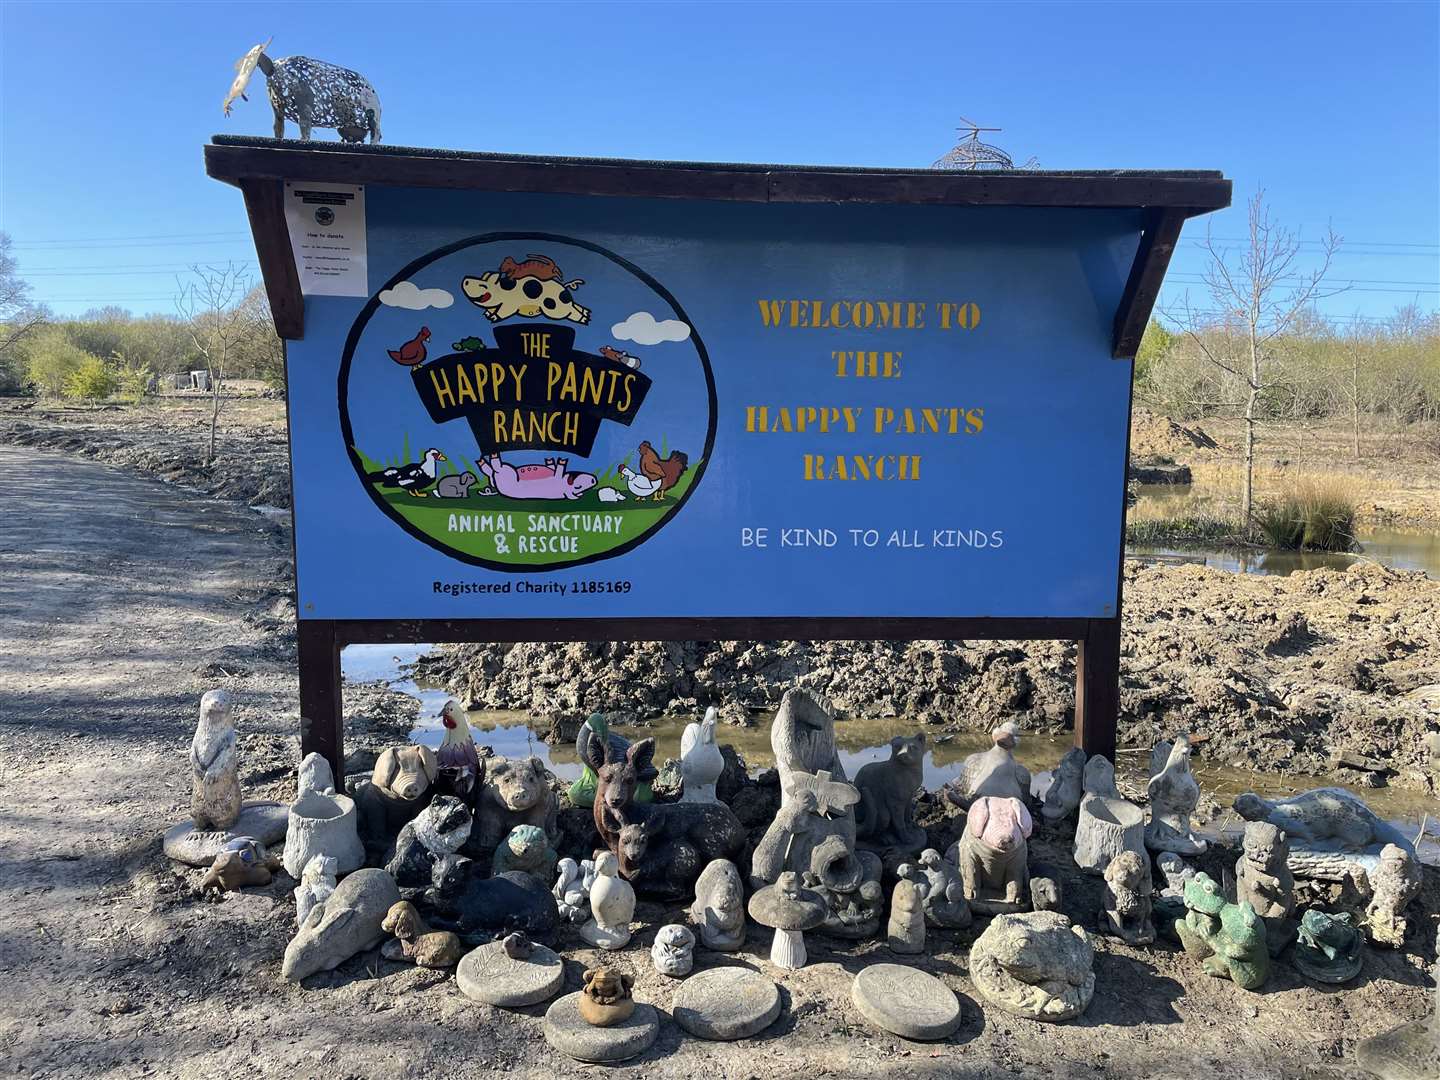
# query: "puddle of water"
1409 550
860 742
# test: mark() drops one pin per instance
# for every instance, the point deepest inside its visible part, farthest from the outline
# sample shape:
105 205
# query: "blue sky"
1333 107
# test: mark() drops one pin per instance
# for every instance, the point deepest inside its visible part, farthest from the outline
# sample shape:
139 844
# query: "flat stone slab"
906 1002
726 1003
571 1035
487 974
262 820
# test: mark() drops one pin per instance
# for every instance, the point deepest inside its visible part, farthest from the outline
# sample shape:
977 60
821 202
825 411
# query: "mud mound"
1156 436
1282 674
251 463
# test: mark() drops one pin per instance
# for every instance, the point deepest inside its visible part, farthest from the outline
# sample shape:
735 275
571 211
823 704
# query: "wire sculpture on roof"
312 93
972 155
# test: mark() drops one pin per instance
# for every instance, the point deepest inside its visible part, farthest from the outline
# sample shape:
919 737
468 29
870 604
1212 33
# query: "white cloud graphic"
408 295
642 329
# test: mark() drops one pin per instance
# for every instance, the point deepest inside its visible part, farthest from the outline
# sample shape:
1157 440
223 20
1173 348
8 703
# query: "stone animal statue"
401 785
1395 882
701 762
885 816
1034 964
314 774
991 772
311 93
1127 899
605 998
214 768
673 953
906 931
719 907
516 792
317 882
435 834
582 792
815 810
349 922
612 906
802 737
1229 939
992 853
242 862
526 850
1333 835
1060 794
663 847
945 903
415 941
1046 891
1174 793
479 908
1262 877
1329 947
572 896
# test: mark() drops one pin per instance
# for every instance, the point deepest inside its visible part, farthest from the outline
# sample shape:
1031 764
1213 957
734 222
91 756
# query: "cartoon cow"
530 288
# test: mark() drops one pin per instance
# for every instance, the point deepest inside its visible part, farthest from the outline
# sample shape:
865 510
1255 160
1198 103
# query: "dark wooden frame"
1166 198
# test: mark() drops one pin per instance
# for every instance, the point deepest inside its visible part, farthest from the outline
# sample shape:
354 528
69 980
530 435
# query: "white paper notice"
327 234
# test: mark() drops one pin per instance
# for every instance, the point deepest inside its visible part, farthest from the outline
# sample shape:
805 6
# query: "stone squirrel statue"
214 767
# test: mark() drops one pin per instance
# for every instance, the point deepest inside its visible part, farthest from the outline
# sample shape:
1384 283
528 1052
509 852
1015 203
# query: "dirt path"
122 599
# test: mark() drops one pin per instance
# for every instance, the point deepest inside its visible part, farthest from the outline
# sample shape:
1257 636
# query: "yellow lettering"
443 394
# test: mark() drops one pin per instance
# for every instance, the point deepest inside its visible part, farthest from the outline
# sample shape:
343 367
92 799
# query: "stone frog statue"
516 792
1034 964
992 854
885 816
1229 939
401 785
526 850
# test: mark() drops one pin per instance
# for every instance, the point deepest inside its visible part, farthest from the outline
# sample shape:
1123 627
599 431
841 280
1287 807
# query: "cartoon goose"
415 477
642 487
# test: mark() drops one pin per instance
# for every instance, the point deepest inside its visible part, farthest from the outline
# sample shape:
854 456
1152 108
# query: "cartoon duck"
642 487
413 351
415 477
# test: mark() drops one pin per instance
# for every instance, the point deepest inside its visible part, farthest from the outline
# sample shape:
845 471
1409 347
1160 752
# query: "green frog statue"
1329 947
1228 938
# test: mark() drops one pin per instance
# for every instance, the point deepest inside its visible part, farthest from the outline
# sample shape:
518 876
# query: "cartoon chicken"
665 472
413 351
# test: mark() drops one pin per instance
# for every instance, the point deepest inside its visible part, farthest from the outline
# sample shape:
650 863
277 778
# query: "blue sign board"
565 406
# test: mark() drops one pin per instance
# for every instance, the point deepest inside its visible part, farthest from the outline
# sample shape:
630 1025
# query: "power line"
117 239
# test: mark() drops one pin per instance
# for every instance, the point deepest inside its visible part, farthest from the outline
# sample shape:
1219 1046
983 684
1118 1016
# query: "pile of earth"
1303 674
251 466
1153 436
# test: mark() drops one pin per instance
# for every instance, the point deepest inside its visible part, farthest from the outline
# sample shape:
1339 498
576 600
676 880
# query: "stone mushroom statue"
790 909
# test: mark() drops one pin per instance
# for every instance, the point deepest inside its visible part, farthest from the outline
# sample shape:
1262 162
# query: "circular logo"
324 216
526 401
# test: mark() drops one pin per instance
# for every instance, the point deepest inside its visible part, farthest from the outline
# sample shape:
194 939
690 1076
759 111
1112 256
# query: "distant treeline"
109 350
1385 367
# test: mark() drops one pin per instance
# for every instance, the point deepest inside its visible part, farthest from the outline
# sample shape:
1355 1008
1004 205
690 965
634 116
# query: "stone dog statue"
401 785
992 854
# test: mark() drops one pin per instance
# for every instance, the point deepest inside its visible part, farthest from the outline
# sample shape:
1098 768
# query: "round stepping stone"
262 820
906 1002
567 1032
726 1003
487 974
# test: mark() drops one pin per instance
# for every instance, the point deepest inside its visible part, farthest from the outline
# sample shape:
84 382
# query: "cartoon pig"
529 289
547 481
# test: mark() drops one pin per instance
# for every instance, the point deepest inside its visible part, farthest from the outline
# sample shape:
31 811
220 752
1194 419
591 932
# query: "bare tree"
18 316
209 301
1253 305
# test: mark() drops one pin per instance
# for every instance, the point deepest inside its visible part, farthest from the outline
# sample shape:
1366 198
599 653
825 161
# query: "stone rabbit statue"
992 854
214 768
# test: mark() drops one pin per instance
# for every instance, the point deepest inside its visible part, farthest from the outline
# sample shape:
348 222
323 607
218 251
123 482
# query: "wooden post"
1097 688
322 725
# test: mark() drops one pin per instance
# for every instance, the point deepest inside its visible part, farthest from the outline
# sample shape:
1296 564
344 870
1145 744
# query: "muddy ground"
121 603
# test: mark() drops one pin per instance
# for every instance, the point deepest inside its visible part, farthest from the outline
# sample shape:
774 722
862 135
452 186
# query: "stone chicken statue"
312 93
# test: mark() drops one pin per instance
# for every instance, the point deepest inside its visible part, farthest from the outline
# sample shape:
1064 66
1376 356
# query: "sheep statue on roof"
312 93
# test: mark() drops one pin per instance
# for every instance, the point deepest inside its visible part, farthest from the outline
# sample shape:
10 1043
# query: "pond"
1400 549
860 742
